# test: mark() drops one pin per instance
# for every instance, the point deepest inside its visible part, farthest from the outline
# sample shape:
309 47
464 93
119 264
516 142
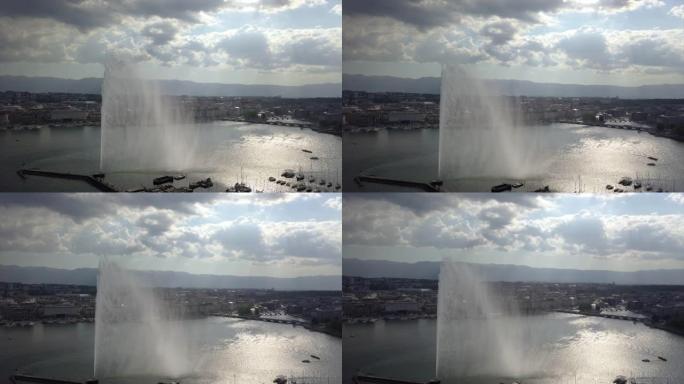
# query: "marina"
573 158
232 153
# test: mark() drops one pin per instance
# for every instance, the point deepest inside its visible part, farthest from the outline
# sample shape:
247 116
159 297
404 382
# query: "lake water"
232 351
561 348
573 158
227 152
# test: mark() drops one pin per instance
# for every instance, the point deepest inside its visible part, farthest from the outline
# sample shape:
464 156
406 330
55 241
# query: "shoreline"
644 321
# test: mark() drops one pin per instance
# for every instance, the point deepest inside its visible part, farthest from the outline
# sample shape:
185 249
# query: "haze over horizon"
626 43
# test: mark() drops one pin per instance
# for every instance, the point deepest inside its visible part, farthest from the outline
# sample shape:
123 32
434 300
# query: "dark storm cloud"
425 14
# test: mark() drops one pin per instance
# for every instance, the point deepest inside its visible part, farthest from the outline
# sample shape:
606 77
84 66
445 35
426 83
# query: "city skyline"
627 43
273 235
292 42
618 233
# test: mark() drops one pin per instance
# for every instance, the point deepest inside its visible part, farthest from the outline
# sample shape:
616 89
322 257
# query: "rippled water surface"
227 152
229 351
561 348
570 158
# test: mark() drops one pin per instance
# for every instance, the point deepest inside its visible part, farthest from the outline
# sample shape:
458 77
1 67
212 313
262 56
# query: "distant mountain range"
88 276
508 272
431 85
171 87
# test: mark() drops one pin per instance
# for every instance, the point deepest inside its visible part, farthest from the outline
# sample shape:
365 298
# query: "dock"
427 187
98 184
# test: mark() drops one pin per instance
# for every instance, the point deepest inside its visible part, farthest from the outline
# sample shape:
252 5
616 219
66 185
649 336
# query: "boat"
312 179
653 158
271 179
288 173
502 187
322 182
662 358
651 164
545 189
313 157
179 177
300 177
626 181
306 361
162 180
646 360
620 380
338 186
315 357
517 185
301 187
99 176
609 187
329 184
637 185
241 187
306 150
280 379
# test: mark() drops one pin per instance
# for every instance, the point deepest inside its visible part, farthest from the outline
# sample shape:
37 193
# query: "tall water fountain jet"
479 333
481 133
141 129
137 331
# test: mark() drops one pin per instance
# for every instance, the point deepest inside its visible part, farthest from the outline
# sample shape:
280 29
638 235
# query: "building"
404 306
61 310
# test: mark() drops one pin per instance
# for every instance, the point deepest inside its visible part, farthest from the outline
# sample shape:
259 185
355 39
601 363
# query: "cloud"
588 48
426 14
334 203
161 33
86 15
170 33
543 225
181 227
525 33
677 11
249 47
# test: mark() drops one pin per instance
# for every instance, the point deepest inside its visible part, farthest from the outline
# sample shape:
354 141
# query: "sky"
626 232
277 235
280 42
616 42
